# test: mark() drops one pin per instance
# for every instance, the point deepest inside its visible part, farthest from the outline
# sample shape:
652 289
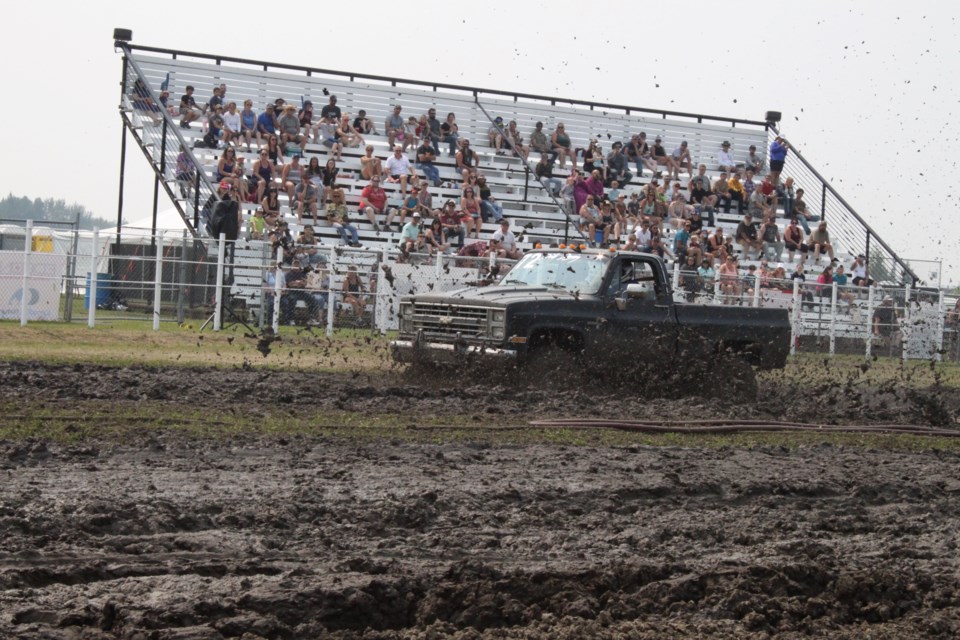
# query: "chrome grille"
441 319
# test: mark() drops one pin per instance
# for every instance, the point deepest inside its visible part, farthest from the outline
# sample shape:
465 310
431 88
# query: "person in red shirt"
373 202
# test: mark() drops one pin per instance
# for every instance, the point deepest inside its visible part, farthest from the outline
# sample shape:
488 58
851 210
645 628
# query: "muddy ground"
166 535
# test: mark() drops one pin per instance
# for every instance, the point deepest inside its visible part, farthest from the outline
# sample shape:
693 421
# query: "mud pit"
162 535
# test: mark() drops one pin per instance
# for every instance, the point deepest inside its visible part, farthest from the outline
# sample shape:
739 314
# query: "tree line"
48 210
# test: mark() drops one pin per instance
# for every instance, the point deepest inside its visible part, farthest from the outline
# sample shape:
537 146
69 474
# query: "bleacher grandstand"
536 216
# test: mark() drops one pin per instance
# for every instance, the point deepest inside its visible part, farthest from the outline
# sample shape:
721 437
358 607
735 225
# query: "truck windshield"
575 272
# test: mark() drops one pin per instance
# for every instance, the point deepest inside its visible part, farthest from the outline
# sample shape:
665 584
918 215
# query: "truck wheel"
552 365
736 379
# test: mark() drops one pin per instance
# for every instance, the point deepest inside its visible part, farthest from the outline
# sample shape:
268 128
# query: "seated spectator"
701 193
257 226
339 216
370 165
757 204
561 144
329 179
373 202
289 126
644 236
778 279
393 126
748 239
264 173
432 132
450 133
716 249
308 247
678 208
412 236
271 205
593 160
772 242
467 160
659 249
802 212
452 220
270 288
327 136
364 125
410 134
290 177
425 158
591 221
231 124
859 271
544 173
539 142
470 207
216 100
507 240
314 175
843 293
399 170
725 160
307 195
189 111
618 167
424 200
787 195
737 193
682 159
819 241
749 186
228 169
305 115
638 152
755 163
211 139
274 152
495 135
435 239
349 137
266 125
514 141
490 209
353 292
793 240
706 273
331 109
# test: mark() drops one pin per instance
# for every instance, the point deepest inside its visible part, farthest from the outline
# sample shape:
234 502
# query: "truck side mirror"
638 290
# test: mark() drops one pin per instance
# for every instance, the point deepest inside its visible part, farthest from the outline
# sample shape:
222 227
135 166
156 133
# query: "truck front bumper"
419 350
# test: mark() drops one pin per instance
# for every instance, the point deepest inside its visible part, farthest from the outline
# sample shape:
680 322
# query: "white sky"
869 91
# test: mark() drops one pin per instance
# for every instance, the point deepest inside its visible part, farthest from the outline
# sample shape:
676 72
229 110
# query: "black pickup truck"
599 306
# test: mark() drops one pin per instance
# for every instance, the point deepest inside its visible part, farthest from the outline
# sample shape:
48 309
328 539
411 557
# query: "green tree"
50 210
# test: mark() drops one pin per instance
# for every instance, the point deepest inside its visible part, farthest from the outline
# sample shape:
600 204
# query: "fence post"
331 296
277 291
92 288
382 315
756 290
905 324
833 319
676 275
938 356
716 288
794 326
870 291
438 265
24 294
157 282
218 304
182 278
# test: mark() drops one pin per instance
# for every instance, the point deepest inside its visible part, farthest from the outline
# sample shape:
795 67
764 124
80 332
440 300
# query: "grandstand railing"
845 224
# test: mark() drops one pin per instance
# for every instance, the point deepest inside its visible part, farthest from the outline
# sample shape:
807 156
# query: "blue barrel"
103 290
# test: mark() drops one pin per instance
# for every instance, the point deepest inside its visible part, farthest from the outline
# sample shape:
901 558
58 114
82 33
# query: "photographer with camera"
295 290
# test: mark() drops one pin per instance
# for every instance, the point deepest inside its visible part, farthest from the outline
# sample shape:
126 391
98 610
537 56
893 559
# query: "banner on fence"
42 288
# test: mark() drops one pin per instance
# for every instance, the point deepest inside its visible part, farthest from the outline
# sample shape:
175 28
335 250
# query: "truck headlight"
498 316
496 332
406 319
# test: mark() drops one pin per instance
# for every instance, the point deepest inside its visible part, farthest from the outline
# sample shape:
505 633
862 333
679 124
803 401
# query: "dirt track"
166 536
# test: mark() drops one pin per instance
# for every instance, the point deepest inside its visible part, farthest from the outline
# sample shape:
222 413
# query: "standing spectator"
393 126
544 172
778 155
248 124
450 133
425 158
508 242
755 162
540 143
562 146
819 241
189 111
331 110
400 170
266 125
231 124
682 159
373 202
370 165
618 167
725 160
289 126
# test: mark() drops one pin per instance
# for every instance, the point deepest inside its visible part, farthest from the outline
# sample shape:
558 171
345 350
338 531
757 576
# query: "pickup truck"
593 305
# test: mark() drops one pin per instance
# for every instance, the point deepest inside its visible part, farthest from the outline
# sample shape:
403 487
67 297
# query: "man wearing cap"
289 125
411 236
426 154
331 109
495 135
725 160
617 166
373 202
778 156
772 242
544 172
507 241
886 323
755 162
747 237
295 290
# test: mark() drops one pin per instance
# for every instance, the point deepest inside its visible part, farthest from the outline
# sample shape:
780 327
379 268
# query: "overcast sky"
868 91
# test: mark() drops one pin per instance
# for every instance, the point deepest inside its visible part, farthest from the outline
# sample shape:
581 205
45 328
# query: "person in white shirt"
231 124
508 241
399 170
725 158
643 235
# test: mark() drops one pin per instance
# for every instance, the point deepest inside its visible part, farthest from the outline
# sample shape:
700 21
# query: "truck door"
640 312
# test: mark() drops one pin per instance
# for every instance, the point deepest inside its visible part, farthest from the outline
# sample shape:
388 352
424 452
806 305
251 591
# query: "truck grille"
440 319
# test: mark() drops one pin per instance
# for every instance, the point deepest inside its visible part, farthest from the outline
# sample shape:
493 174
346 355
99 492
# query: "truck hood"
496 295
